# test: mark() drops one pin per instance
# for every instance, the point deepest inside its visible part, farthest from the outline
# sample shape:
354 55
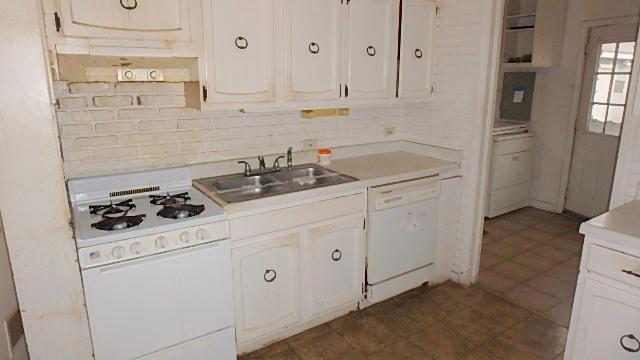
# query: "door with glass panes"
605 85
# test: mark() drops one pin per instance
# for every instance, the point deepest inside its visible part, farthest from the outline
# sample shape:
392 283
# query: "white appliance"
510 176
156 267
402 236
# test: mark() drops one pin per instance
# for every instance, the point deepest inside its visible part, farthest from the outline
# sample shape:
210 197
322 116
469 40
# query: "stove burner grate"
180 211
112 209
169 199
124 221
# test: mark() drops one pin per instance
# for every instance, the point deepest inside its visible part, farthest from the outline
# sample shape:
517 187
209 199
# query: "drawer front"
281 219
508 197
512 169
614 264
512 146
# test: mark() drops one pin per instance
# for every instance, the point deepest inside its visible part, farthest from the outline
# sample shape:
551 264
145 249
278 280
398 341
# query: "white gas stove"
156 267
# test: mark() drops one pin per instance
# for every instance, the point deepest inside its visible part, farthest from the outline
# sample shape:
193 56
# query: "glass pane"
601 89
614 120
625 56
619 89
598 116
607 53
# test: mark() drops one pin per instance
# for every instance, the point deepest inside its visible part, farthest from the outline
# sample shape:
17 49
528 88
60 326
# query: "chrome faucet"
247 168
261 164
289 158
276 163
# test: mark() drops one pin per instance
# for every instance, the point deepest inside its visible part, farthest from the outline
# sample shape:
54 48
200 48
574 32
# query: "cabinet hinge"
364 224
57 22
437 10
433 89
204 93
346 90
340 90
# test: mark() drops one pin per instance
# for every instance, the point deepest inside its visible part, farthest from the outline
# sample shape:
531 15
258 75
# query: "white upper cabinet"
312 43
336 254
239 45
416 48
372 48
158 20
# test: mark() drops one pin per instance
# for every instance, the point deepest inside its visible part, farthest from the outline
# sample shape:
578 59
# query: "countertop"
371 170
370 167
619 228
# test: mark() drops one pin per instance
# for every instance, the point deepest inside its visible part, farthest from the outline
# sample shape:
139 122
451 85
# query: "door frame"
585 28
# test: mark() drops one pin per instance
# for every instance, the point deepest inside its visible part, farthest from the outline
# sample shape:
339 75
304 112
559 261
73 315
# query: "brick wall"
108 128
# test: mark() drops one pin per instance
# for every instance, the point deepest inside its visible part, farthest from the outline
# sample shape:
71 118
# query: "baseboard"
542 205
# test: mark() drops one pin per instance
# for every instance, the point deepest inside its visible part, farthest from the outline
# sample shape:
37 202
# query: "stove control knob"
202 235
185 237
118 252
162 242
136 248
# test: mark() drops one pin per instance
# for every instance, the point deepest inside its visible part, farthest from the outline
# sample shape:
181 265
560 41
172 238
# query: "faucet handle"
276 162
247 168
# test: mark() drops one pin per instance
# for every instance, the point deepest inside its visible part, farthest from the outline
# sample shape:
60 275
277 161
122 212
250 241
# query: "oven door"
158 304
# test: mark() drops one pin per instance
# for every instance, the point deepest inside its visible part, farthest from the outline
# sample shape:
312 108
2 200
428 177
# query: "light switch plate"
310 145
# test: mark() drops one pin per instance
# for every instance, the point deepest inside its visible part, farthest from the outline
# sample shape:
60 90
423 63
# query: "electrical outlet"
390 131
310 145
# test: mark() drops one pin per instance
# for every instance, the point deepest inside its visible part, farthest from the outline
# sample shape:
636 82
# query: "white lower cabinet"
336 264
288 276
267 285
608 324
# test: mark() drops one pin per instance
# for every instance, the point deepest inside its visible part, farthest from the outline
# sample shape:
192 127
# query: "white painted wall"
8 304
554 99
455 118
33 198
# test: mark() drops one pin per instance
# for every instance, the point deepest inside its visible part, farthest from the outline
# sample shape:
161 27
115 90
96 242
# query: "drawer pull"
371 51
515 158
418 53
270 275
393 199
336 255
129 5
242 42
635 347
629 272
314 48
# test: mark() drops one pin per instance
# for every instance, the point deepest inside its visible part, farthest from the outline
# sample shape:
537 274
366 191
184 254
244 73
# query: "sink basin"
242 182
238 188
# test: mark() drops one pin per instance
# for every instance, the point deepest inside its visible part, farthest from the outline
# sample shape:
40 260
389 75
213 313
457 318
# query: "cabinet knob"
630 343
242 42
270 275
314 48
371 51
418 53
129 4
336 255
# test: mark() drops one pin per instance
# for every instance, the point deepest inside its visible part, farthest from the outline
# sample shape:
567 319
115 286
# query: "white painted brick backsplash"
137 114
90 87
113 101
156 125
114 127
72 103
161 100
85 116
135 88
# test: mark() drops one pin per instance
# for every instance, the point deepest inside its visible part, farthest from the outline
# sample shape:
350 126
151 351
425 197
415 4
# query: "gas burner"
168 200
120 222
112 209
180 211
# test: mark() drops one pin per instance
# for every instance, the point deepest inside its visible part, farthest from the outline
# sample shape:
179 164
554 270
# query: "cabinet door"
266 286
608 324
416 48
373 29
128 19
312 30
239 47
336 261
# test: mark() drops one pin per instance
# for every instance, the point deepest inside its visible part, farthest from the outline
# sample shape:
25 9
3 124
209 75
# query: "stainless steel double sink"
238 187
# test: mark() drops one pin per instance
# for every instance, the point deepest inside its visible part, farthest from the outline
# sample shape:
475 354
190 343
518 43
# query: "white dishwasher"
402 236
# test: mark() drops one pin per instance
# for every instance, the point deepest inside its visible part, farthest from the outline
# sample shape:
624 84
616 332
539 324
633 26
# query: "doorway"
609 59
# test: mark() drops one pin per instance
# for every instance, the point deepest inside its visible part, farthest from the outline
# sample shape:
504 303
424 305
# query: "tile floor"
519 310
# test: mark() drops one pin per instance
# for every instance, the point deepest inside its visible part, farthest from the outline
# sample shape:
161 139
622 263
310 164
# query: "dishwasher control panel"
392 195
